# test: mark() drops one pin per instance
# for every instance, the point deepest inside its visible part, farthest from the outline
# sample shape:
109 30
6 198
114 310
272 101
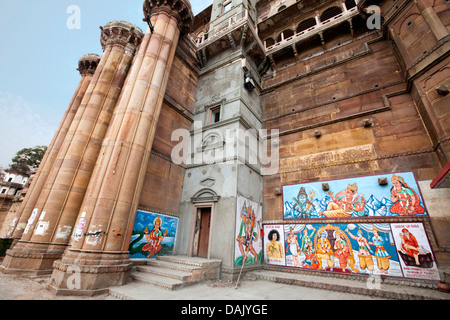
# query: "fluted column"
46 237
109 208
19 218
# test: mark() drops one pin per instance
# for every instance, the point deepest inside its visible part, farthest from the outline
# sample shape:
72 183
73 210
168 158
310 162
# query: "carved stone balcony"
316 29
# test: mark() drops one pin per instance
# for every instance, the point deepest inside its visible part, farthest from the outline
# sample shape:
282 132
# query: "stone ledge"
387 291
418 283
79 293
93 269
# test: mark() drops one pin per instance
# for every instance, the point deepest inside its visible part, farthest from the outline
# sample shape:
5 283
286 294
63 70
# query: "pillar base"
89 273
31 258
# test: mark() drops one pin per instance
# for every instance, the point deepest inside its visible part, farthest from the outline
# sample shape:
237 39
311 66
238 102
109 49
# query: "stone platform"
164 273
366 288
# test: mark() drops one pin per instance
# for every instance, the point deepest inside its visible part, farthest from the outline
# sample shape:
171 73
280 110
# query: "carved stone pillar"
18 219
46 236
433 21
100 250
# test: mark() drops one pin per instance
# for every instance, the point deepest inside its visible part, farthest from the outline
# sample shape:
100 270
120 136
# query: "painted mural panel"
248 247
388 249
274 252
416 257
355 197
154 234
343 248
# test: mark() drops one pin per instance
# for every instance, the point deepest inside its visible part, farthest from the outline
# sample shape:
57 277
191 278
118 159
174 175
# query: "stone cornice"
120 33
181 9
88 63
362 160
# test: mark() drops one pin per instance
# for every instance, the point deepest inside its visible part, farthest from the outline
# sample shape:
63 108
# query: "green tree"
28 159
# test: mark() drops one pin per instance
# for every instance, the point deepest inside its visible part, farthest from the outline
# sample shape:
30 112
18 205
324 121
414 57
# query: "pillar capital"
181 9
122 33
88 63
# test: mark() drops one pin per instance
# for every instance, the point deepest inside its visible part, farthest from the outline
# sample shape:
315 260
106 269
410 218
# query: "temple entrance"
203 232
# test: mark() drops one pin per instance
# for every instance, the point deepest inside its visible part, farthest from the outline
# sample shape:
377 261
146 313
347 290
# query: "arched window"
350 4
306 24
281 8
330 13
286 34
269 42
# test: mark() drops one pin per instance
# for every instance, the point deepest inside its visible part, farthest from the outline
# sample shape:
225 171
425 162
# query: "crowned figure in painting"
154 238
406 201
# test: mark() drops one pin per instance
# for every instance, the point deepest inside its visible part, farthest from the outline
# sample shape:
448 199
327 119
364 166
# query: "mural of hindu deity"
343 248
303 207
357 197
353 248
248 248
153 235
405 199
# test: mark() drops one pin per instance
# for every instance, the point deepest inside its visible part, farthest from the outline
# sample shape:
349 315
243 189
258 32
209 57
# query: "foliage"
28 159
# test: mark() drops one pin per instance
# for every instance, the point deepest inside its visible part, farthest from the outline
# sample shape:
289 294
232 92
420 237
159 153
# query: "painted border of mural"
400 250
359 197
154 234
248 232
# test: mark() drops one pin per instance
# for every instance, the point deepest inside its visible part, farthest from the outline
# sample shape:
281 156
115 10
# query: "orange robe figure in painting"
154 237
410 246
406 201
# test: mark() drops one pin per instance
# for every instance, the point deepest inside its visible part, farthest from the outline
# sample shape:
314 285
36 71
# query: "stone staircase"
172 272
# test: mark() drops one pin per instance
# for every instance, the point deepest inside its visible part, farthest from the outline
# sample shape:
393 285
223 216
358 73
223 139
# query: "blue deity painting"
153 235
356 197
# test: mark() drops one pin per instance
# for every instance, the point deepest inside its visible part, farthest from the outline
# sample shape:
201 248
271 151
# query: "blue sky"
38 62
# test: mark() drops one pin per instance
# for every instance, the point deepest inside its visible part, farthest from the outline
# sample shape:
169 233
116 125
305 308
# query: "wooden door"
203 238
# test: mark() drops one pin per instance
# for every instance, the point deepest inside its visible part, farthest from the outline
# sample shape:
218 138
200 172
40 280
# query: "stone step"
156 280
170 272
191 261
172 266
165 272
382 290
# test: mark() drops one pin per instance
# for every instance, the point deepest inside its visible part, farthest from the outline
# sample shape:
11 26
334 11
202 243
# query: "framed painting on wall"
354 198
248 246
154 234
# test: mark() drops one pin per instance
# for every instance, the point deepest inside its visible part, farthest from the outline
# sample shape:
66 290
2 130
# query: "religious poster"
248 246
154 234
354 197
414 250
274 245
362 248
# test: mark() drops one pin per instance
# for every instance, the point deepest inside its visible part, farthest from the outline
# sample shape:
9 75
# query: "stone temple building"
288 135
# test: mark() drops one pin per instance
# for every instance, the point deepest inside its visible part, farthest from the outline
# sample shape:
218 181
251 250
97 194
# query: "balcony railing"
238 20
228 25
320 26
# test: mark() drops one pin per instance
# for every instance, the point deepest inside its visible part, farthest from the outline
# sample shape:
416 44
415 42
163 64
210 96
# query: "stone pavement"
247 290
277 286
13 287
